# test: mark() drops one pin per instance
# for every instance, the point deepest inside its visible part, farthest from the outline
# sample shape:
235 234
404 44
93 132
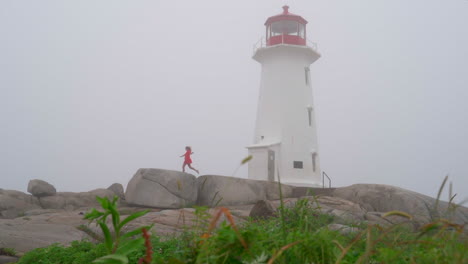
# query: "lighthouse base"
267 165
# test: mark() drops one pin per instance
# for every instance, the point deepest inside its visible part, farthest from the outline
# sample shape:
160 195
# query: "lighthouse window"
314 156
284 27
307 74
297 164
301 31
309 112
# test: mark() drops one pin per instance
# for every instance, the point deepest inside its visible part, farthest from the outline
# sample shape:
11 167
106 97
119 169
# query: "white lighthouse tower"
285 140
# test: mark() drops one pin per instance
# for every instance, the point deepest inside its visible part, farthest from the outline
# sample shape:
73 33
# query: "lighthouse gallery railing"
261 43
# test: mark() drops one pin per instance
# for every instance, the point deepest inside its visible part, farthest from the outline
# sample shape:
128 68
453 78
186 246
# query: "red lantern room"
286 28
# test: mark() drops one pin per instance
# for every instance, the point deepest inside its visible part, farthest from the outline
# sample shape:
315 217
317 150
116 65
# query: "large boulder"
263 209
220 190
273 192
343 210
385 198
118 189
15 203
161 189
40 188
214 190
72 201
27 233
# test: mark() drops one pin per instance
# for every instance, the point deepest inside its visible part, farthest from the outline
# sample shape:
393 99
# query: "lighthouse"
285 140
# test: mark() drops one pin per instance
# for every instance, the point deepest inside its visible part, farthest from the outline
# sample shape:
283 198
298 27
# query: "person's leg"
183 167
190 166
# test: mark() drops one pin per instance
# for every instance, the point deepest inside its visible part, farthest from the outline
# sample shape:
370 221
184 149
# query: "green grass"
299 236
7 252
79 252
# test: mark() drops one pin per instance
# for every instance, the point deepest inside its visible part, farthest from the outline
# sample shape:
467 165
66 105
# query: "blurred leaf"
339 245
112 259
115 218
130 246
132 217
246 159
179 185
114 200
399 213
135 232
107 236
436 206
429 227
94 214
104 202
278 253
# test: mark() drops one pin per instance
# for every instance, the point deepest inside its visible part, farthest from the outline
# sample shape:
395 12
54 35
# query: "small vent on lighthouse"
309 112
307 74
298 165
314 160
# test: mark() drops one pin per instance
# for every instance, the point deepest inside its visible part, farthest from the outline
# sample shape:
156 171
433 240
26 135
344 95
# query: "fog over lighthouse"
285 139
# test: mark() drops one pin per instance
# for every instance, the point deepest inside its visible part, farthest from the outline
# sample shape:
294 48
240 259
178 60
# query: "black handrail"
323 180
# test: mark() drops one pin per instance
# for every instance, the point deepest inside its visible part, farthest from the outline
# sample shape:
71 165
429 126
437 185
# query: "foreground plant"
118 245
8 252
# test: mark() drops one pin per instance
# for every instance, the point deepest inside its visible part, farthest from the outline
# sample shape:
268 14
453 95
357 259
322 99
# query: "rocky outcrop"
24 234
263 209
273 192
118 189
27 233
220 191
385 198
41 221
347 212
343 210
40 188
161 189
71 201
15 203
214 190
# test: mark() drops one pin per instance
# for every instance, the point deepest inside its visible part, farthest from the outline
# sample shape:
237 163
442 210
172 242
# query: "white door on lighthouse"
285 141
271 165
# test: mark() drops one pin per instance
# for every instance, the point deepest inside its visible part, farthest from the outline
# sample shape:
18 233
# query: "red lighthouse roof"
285 16
286 28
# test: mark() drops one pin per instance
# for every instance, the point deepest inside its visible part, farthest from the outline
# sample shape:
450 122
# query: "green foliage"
304 217
266 238
202 220
169 248
7 252
79 252
118 245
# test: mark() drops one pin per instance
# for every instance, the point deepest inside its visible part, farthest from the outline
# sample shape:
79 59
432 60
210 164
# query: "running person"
187 159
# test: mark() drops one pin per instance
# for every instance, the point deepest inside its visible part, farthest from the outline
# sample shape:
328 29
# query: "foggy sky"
90 91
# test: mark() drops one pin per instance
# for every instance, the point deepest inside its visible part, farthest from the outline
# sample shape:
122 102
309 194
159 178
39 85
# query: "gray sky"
93 90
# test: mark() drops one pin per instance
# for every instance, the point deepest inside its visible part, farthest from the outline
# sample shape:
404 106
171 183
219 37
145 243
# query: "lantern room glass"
286 27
